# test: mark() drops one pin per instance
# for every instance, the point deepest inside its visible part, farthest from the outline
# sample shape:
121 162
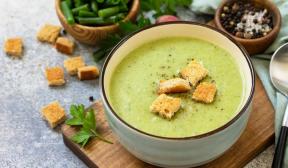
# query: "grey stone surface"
25 139
264 160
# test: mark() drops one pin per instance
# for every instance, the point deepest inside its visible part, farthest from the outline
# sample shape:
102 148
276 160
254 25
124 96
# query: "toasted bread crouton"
176 85
53 113
165 106
72 64
88 73
48 33
64 45
55 76
14 47
194 72
205 92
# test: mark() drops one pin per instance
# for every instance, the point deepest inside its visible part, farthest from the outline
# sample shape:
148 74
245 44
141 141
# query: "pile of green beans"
94 12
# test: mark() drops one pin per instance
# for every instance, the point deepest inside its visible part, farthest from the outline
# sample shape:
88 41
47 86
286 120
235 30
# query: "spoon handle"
281 145
280 149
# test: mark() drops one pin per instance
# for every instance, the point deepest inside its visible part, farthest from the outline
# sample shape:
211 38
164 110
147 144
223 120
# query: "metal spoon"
279 78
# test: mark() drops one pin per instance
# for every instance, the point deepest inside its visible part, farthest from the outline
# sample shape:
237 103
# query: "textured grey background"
25 139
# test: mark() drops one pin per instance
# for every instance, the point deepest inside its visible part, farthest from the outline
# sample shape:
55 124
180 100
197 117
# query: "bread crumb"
205 92
64 45
72 64
88 73
55 76
165 106
48 33
14 47
194 72
53 113
176 85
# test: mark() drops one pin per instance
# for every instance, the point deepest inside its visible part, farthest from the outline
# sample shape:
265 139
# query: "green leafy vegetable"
81 137
88 123
125 29
78 114
161 7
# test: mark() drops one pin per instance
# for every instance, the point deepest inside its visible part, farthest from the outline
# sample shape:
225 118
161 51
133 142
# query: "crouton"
165 106
205 92
14 47
48 33
88 73
176 85
55 76
53 113
194 72
64 45
72 64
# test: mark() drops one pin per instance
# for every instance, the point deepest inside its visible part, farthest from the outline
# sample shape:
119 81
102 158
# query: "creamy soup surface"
134 84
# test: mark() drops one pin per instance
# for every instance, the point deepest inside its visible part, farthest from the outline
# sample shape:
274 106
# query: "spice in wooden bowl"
246 20
253 23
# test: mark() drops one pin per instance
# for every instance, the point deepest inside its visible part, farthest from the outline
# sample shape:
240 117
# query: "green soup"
134 83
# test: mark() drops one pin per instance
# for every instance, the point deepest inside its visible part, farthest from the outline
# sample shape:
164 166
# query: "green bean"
124 6
124 1
110 11
86 14
83 8
116 18
67 12
69 2
78 3
92 21
112 2
94 6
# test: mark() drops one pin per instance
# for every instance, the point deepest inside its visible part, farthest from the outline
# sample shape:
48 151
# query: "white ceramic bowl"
186 151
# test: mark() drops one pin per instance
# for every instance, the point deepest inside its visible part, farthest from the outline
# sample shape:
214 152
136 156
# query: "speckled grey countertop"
25 139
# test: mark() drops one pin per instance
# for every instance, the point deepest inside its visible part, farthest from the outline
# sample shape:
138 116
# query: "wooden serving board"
258 135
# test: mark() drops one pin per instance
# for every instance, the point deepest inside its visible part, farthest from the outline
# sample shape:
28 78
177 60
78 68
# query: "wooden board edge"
75 148
77 151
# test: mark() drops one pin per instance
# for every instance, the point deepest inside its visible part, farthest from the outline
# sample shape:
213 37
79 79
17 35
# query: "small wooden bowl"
92 35
258 45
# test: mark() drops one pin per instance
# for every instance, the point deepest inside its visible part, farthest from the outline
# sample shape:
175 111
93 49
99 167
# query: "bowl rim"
274 31
134 8
230 122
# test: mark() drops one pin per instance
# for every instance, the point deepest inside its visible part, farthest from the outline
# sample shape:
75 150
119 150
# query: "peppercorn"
91 98
63 32
241 18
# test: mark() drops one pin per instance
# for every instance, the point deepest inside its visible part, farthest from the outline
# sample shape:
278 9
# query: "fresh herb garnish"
160 7
163 7
87 122
125 28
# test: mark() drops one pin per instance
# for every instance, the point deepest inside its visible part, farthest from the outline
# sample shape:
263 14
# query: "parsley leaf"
164 7
125 29
142 21
81 137
87 121
77 111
